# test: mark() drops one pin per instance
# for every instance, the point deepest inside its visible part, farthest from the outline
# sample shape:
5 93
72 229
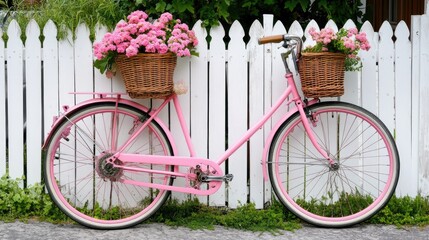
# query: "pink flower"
136 34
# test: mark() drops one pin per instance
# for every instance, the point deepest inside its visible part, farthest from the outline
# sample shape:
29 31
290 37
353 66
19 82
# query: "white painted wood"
66 72
83 62
386 77
199 98
268 84
309 42
33 76
237 114
403 109
415 98
349 24
181 75
279 82
3 129
101 82
217 104
332 25
424 99
15 83
369 81
256 111
50 76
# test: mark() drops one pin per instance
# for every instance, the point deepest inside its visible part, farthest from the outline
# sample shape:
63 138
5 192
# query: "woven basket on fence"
148 75
322 74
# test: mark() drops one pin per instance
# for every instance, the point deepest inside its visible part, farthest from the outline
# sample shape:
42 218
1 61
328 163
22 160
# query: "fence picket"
33 69
217 104
403 108
66 69
15 83
386 89
3 131
424 99
83 62
256 111
369 82
237 113
50 75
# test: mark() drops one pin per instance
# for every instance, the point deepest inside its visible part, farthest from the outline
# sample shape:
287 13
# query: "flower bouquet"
322 66
145 53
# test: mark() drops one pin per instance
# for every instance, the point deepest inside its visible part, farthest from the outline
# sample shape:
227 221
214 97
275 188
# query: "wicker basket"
148 75
322 74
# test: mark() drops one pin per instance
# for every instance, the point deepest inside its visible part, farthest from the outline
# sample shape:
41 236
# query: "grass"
33 203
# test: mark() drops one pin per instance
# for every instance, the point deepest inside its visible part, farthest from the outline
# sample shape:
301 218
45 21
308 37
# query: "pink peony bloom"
136 34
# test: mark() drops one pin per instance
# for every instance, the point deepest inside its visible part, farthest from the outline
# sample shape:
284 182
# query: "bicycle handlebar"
296 40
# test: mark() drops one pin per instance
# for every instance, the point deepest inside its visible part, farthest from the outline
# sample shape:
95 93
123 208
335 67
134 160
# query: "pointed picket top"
402 32
296 29
217 43
331 24
236 33
385 31
82 31
368 29
217 32
201 34
370 35
14 31
50 30
32 30
256 31
308 39
279 28
100 30
349 24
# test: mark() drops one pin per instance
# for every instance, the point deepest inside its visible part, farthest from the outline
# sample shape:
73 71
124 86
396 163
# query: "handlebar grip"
271 39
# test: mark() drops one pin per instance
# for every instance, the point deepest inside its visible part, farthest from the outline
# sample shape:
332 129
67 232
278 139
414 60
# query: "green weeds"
33 202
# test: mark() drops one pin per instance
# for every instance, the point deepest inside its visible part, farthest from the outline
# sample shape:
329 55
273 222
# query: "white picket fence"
229 87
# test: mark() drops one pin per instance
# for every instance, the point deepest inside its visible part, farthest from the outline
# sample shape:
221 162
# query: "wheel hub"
106 169
334 166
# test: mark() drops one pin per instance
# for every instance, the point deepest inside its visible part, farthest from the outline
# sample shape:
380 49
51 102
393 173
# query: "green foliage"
19 203
195 215
3 4
68 14
338 10
32 202
404 211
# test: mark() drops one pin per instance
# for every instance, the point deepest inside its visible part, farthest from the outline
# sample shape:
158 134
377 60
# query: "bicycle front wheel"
85 186
357 187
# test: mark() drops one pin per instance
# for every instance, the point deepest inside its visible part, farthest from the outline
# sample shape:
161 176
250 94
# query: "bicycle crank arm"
226 178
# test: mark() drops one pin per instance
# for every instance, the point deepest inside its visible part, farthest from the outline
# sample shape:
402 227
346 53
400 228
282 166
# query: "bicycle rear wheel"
85 186
334 196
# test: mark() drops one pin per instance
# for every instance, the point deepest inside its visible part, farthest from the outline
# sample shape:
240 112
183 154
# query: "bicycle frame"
193 160
214 170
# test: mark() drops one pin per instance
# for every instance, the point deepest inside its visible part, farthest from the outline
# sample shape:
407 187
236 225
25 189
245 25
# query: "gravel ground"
43 230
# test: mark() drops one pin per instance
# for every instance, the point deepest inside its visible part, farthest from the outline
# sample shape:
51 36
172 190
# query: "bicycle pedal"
228 178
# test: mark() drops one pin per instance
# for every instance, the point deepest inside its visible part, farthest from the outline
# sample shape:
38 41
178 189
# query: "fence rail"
229 88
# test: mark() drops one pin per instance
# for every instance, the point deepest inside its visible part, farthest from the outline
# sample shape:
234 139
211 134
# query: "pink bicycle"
109 162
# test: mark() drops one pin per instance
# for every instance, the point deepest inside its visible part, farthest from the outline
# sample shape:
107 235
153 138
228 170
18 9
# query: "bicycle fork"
306 118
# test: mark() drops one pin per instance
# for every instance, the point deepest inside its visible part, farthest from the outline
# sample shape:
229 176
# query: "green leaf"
160 6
